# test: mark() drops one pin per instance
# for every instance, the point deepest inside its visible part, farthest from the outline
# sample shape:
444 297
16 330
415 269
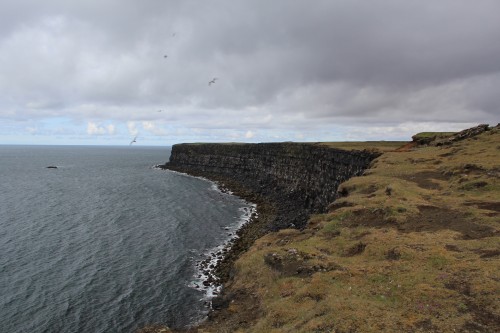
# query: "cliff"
297 178
412 246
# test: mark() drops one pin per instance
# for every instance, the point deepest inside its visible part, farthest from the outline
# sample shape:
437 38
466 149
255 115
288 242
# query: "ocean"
105 242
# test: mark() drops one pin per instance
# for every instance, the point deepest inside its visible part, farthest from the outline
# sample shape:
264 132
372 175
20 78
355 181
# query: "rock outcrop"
297 178
444 139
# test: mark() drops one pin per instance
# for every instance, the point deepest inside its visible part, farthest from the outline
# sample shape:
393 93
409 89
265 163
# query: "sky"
101 72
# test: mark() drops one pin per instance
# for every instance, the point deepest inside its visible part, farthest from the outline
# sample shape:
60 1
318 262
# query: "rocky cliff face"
298 178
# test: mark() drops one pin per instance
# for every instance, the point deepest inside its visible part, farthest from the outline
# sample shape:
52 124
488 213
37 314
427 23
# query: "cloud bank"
326 70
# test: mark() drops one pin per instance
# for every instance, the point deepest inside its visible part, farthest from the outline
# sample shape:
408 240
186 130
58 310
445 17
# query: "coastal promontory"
400 239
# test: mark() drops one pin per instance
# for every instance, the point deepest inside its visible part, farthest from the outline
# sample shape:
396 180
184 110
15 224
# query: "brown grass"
382 146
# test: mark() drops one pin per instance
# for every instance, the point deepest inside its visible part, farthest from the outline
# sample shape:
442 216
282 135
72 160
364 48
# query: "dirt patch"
369 218
470 326
484 320
355 249
429 218
425 179
459 284
288 264
473 185
472 169
369 190
452 247
296 263
494 206
337 205
425 326
484 254
393 254
433 218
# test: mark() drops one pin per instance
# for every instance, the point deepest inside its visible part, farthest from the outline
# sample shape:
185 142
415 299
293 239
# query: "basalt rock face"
299 179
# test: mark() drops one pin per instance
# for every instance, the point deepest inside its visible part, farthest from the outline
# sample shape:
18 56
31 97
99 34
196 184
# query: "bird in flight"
160 110
131 142
213 81
165 56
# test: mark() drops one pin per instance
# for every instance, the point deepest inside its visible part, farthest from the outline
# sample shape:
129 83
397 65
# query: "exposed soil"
369 190
369 218
336 205
452 247
355 249
494 206
425 179
484 254
433 218
483 320
429 218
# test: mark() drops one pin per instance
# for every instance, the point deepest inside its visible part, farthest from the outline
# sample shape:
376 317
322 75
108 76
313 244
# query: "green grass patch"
438 135
366 145
438 262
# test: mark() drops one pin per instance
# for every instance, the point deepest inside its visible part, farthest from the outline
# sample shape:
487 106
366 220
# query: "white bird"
213 81
131 142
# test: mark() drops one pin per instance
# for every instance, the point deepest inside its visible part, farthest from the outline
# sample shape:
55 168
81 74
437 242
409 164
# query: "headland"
387 237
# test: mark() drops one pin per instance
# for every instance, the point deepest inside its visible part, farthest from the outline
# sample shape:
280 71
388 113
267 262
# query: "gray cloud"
282 66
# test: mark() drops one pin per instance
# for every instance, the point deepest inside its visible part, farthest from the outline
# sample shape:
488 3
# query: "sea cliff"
288 182
297 178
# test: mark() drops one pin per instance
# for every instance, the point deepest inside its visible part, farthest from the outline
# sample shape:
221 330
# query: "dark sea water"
104 243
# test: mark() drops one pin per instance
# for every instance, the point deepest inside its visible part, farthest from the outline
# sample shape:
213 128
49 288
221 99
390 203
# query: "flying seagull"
213 81
131 142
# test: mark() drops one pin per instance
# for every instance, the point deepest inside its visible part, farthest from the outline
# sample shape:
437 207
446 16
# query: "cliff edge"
298 178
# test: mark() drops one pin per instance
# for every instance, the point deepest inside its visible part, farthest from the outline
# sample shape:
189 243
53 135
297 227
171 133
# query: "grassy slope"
413 246
382 146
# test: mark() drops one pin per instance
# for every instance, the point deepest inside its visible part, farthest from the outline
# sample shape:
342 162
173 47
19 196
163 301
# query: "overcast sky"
103 71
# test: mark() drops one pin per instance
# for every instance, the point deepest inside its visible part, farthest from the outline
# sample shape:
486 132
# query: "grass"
429 260
382 146
438 135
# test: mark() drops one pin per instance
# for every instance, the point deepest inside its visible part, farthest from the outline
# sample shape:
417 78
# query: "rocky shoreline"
263 214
